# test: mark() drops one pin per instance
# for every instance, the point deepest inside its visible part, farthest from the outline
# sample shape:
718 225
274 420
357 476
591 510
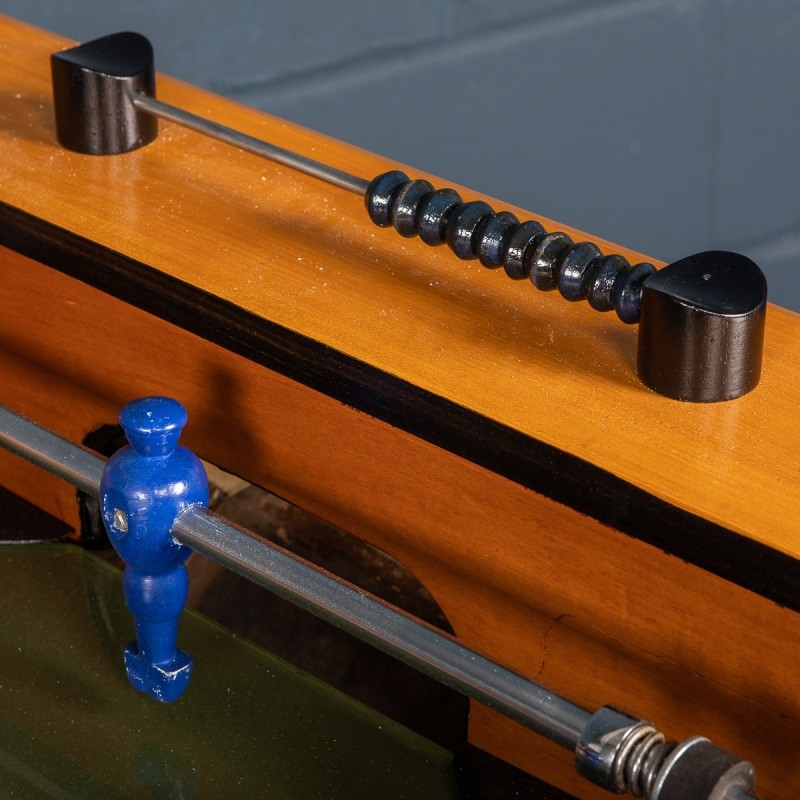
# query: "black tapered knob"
701 331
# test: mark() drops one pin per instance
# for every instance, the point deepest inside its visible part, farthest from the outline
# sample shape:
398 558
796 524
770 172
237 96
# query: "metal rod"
355 611
440 656
251 144
50 451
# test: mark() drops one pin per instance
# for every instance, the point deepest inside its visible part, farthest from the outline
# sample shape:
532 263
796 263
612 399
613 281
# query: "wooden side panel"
592 613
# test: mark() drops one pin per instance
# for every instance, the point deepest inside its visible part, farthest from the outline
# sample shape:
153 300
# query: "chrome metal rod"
50 451
251 144
355 611
401 636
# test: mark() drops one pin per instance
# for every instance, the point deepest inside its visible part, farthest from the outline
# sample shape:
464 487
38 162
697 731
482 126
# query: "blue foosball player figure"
143 489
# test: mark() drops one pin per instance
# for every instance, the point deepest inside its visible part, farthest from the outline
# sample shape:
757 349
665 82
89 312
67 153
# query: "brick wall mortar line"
369 68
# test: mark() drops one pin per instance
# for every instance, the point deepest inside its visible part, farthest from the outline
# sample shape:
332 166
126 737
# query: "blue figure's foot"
165 682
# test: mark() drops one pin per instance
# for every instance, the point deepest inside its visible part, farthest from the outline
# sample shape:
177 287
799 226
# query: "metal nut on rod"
616 751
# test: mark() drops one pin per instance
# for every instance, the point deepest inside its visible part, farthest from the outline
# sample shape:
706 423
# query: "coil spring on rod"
580 271
638 759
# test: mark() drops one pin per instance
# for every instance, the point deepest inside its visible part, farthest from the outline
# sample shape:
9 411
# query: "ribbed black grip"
579 270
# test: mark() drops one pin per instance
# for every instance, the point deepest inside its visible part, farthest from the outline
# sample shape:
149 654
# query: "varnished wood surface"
303 255
596 614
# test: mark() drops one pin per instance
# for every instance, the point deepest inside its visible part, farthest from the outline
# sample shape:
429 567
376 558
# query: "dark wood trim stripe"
554 473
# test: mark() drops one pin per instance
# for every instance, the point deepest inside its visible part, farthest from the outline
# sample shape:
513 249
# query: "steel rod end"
701 332
94 85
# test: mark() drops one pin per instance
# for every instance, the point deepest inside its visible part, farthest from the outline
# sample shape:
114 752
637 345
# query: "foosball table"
602 505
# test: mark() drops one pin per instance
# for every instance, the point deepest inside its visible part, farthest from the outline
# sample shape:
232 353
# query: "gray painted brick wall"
668 125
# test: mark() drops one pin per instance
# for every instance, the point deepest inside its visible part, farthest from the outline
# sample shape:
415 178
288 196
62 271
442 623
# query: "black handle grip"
524 249
702 318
